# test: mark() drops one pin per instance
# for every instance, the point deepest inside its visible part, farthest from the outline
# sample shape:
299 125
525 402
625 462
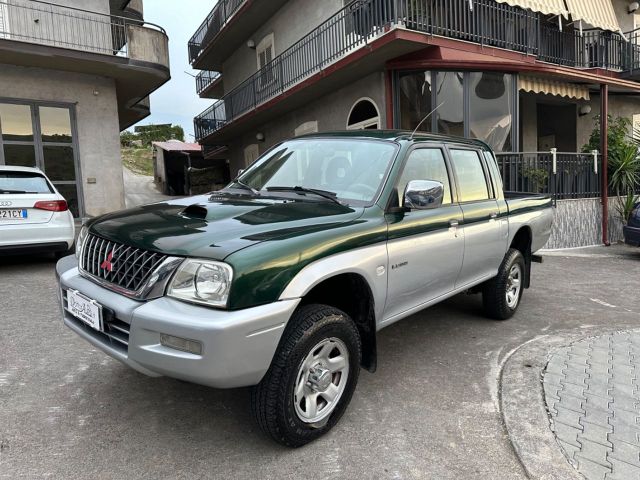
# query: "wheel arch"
522 242
351 293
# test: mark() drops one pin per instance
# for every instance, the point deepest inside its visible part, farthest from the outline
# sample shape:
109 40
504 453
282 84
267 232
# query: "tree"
127 138
159 133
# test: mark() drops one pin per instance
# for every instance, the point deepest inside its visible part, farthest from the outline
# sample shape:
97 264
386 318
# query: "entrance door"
36 135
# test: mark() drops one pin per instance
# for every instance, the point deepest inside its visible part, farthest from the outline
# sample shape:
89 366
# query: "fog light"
182 344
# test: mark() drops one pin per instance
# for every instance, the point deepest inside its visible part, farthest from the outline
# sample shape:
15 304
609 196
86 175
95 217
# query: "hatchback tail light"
52 205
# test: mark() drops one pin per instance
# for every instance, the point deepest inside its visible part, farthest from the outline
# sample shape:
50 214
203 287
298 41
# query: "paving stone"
623 471
567 434
596 433
572 402
626 452
591 469
575 390
596 401
567 416
597 387
597 417
595 452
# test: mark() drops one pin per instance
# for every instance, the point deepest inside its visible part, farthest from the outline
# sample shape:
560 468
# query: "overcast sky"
177 102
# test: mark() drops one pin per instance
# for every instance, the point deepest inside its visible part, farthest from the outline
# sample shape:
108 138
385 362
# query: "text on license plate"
85 309
14 214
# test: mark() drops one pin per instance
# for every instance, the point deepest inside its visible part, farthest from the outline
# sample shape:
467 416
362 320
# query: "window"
450 97
425 164
490 109
24 181
415 100
251 154
364 116
265 53
472 182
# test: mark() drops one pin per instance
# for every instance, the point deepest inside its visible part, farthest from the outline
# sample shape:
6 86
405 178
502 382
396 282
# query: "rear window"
23 182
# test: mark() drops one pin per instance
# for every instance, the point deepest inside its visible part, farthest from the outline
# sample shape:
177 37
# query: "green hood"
216 227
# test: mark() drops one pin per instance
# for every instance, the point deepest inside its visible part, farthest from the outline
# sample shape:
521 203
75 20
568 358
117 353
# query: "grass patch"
138 160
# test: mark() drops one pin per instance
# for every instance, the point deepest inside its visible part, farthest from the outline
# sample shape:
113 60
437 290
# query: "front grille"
115 332
118 264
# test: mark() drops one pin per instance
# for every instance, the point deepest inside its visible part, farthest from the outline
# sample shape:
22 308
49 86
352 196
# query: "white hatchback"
34 217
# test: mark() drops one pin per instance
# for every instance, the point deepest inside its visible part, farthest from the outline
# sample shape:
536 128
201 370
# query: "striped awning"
597 13
548 7
553 87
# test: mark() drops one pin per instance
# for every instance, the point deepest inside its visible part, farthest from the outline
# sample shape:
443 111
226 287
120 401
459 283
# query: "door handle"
454 224
494 215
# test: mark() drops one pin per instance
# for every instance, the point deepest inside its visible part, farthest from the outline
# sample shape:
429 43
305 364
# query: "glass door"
42 136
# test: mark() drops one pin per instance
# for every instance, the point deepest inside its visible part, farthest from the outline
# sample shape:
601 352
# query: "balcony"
226 28
45 35
362 22
209 84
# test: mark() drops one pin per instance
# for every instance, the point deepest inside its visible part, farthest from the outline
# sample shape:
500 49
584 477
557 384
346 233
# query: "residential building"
72 76
523 75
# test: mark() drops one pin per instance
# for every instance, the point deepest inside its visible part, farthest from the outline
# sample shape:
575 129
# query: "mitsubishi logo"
108 263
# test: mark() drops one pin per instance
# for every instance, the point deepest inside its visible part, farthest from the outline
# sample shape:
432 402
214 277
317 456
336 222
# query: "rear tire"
502 294
311 378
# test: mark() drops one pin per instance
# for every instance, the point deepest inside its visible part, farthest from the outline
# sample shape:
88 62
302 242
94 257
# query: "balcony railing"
561 175
204 79
66 27
215 21
487 23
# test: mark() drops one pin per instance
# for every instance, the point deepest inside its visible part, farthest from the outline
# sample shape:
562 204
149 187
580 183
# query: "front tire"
502 294
311 378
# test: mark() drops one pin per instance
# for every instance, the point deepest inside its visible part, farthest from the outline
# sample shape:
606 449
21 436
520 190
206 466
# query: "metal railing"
46 23
215 21
204 79
487 23
561 175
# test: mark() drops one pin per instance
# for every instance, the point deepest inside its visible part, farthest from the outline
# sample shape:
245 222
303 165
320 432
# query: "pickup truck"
282 280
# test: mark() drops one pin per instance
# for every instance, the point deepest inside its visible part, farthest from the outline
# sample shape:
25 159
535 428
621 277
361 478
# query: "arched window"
364 116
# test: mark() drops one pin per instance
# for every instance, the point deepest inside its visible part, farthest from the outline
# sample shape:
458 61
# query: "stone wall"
578 223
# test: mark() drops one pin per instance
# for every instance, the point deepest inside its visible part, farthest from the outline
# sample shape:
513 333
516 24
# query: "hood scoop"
195 211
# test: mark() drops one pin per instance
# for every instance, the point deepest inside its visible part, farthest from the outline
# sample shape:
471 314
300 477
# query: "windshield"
349 169
23 182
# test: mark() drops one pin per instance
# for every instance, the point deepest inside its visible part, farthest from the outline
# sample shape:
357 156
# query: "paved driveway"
431 411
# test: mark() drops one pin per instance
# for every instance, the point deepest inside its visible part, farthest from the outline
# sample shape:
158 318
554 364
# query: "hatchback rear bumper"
34 248
54 236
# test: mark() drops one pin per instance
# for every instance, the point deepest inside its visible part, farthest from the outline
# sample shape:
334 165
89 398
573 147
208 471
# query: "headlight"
202 281
82 236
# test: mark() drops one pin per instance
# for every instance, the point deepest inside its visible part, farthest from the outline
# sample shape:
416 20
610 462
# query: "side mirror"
423 195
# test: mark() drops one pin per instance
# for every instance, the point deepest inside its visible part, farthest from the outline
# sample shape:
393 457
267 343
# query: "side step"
537 259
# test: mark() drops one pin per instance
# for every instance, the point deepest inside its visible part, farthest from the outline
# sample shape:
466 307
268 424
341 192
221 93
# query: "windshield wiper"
2 190
245 186
303 190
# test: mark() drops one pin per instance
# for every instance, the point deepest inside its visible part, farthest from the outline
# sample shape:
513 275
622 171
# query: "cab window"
425 164
472 181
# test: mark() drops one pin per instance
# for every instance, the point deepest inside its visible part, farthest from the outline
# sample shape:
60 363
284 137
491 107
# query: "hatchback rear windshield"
23 182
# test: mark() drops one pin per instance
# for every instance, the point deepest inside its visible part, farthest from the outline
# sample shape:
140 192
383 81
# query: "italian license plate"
13 214
85 309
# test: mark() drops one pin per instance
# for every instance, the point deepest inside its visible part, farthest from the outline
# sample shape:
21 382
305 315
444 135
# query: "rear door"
19 192
425 247
483 239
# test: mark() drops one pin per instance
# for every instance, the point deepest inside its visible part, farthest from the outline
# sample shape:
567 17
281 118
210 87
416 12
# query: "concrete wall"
578 223
292 22
97 124
331 112
148 45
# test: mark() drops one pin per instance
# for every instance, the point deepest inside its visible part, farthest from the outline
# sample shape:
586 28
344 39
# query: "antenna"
425 118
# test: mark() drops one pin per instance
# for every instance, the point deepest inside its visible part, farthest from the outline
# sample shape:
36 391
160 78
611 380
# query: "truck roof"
398 136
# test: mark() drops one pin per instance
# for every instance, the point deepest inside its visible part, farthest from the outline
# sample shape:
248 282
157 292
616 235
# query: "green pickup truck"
282 280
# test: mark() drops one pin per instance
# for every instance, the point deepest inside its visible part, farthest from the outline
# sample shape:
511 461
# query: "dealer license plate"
85 309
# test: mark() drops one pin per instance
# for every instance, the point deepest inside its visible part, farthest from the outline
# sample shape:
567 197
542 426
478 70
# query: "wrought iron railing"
561 175
215 21
66 27
487 23
204 79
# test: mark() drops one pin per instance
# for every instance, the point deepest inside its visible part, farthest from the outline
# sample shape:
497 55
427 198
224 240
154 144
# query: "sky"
177 102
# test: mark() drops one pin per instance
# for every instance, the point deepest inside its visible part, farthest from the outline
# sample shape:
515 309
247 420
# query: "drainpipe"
604 149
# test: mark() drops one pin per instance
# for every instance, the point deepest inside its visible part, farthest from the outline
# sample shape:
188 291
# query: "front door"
484 243
425 247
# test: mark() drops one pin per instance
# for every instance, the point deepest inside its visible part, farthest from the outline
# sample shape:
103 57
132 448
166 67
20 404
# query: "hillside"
138 160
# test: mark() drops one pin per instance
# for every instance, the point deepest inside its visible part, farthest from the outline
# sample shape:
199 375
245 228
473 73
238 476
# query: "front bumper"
237 346
632 236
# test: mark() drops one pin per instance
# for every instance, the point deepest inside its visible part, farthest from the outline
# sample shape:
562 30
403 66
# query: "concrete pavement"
140 190
433 410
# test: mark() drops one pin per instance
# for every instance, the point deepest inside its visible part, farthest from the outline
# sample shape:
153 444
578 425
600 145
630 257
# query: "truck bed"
522 202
